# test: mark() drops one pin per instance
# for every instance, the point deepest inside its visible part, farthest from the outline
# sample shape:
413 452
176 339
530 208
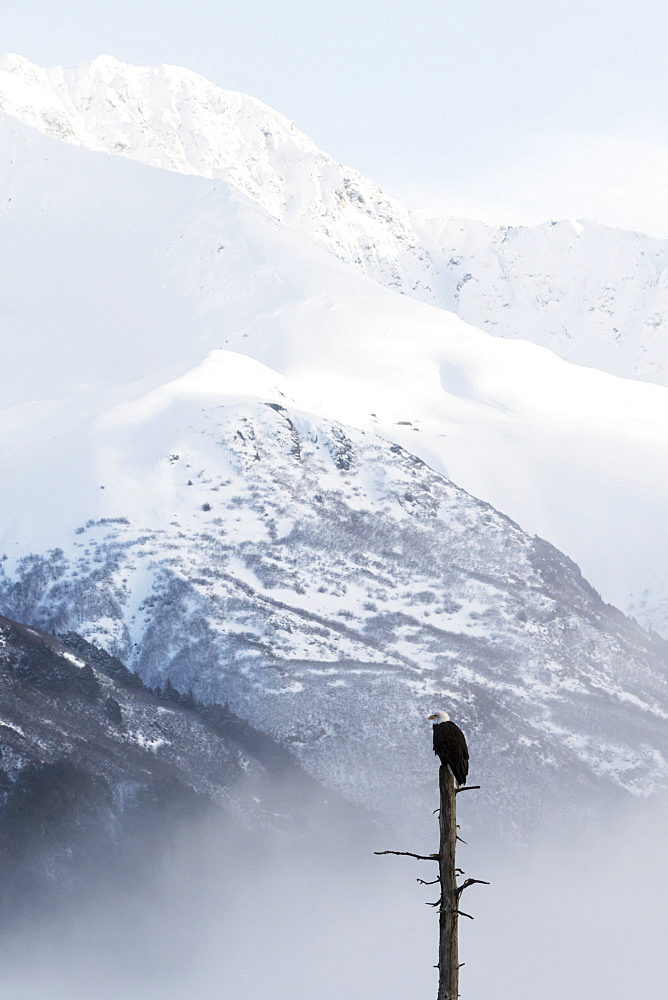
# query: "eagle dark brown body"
451 749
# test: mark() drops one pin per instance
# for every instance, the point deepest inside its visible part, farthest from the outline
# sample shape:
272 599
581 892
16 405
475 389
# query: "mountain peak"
172 118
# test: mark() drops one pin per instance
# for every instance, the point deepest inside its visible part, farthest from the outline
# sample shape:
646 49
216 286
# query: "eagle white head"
438 717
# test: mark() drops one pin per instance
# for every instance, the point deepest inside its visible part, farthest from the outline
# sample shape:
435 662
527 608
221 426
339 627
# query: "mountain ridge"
98 773
229 136
594 295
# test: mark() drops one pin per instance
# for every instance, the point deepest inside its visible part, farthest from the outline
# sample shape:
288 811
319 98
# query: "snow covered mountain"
329 586
229 451
593 295
91 303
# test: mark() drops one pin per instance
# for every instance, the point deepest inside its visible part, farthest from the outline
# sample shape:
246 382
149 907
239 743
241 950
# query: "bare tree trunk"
448 902
448 954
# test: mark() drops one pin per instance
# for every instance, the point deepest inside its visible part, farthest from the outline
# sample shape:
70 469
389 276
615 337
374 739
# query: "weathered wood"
448 953
448 902
409 854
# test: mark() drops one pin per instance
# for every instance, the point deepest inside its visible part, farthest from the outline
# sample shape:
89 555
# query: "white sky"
506 109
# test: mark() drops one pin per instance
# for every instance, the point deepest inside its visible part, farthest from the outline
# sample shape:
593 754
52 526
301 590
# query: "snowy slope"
594 295
90 304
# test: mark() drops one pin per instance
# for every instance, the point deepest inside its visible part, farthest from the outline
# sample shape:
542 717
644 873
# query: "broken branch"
409 854
468 882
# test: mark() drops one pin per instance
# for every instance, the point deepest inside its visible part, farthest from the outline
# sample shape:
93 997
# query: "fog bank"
228 916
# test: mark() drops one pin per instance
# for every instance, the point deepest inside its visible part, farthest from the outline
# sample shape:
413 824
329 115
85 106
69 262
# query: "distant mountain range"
235 408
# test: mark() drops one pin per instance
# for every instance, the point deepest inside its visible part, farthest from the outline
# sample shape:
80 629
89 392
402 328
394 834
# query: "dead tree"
450 895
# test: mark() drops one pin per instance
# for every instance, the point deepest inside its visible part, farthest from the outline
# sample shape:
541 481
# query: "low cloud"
237 917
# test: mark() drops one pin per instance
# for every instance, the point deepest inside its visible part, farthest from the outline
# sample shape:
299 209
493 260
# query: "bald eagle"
450 746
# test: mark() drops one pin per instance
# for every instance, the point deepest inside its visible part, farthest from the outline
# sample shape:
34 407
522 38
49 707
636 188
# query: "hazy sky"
500 108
